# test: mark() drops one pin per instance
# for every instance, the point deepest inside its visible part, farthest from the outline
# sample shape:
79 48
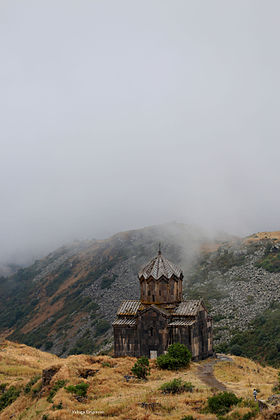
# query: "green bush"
222 402
177 356
177 386
101 327
29 385
187 418
59 406
141 368
8 397
58 384
48 345
270 262
84 345
36 389
236 350
79 390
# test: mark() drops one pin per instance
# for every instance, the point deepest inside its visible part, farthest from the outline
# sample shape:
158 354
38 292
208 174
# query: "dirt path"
205 373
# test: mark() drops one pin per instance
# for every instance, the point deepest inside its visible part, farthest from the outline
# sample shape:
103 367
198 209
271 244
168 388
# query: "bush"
29 385
8 397
36 389
221 403
101 327
177 356
48 345
79 390
59 406
177 386
58 384
236 350
187 418
141 368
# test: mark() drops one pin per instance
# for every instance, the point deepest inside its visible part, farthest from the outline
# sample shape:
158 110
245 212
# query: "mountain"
38 385
65 303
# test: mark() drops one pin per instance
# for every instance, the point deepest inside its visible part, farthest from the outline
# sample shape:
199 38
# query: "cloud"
116 115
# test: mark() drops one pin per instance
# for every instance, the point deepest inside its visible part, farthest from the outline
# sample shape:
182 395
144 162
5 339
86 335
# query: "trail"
205 373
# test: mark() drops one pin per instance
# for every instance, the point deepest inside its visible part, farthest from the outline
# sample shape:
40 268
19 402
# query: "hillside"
240 282
42 395
65 303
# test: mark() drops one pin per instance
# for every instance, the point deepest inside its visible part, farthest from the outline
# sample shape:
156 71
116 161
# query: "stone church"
146 327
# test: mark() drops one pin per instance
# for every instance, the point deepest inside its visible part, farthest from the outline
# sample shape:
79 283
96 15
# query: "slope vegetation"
42 381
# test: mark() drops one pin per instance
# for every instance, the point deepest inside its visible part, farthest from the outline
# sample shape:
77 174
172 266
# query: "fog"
120 114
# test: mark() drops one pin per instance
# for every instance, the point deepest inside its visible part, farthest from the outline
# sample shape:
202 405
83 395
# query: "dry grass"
113 397
262 235
243 375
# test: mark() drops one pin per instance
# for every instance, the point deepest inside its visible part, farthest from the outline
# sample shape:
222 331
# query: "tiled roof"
125 321
182 323
160 309
129 307
189 307
158 267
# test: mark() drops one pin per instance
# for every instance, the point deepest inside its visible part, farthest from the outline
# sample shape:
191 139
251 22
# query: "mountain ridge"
66 302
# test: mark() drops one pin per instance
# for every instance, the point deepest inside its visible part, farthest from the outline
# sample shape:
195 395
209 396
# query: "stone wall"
125 341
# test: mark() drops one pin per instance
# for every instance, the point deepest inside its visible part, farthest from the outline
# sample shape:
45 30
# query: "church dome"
159 267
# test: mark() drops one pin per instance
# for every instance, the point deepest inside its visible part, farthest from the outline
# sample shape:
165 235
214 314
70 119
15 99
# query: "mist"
117 114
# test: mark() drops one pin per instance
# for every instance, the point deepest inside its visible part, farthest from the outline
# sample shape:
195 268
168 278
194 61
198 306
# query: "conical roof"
158 267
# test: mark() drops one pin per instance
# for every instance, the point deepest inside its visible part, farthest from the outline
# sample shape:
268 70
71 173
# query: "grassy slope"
110 393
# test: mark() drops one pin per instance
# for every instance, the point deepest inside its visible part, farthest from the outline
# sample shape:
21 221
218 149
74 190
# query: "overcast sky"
120 114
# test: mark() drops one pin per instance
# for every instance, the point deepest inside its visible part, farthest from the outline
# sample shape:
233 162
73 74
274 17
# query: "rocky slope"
235 283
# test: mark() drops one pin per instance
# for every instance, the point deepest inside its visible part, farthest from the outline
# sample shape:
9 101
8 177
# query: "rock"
85 373
150 406
262 405
48 374
129 377
274 399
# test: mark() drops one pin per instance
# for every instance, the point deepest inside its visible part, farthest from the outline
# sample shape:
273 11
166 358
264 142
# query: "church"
146 327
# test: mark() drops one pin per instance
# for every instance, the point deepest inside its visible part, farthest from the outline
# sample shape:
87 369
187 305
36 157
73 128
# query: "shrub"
178 355
79 390
8 397
59 406
58 384
222 402
141 368
29 385
177 386
187 418
48 345
36 389
101 327
236 350
84 345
